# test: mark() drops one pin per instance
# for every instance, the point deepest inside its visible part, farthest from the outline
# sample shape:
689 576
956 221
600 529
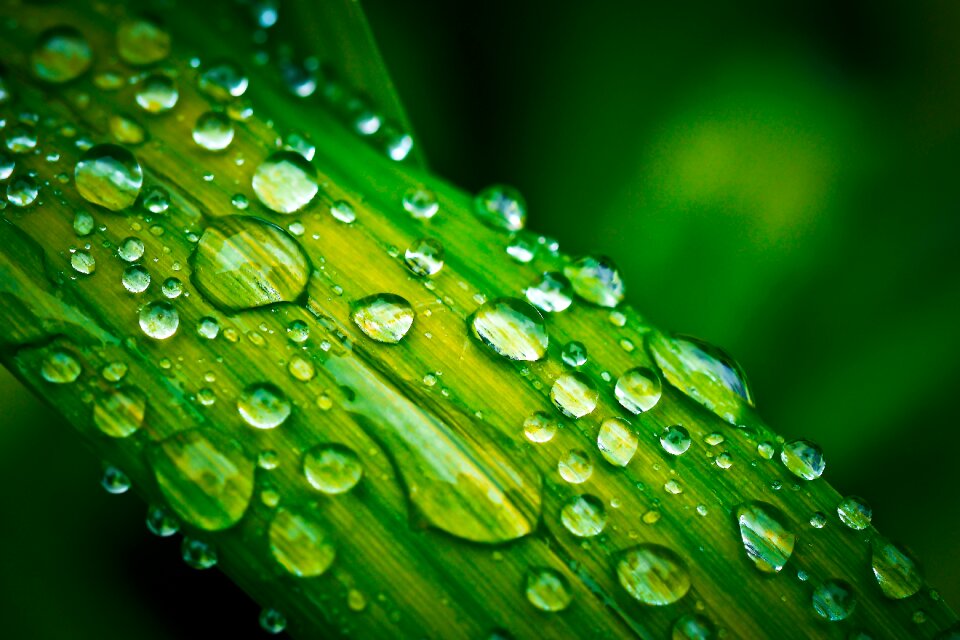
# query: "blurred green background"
778 180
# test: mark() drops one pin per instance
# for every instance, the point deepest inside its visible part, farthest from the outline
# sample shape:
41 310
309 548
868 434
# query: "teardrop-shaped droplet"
653 574
511 328
61 54
834 600
638 390
157 93
597 280
424 257
383 317
693 626
332 468
584 516
574 394
617 441
501 207
242 263
223 81
263 406
205 476
548 590
300 545
109 176
675 440
895 571
141 42
119 412
767 541
159 320
703 372
804 459
855 512
552 294
213 131
285 182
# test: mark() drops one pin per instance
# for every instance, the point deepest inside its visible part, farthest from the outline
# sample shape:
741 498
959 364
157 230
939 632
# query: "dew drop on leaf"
834 600
638 390
424 257
300 545
895 571
213 131
60 367
119 412
552 294
548 590
575 467
157 93
223 81
501 207
584 516
539 427
511 328
384 317
332 468
653 574
60 55
617 441
198 554
142 42
263 406
159 320
597 280
574 395
675 440
804 459
767 541
285 182
110 176
855 512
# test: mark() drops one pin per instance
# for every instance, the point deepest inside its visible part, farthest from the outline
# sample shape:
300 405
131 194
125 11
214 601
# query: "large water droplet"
263 406
332 468
243 262
300 545
119 412
834 600
424 257
205 476
574 395
855 512
675 440
766 539
895 571
584 516
703 372
804 459
511 328
157 93
141 42
109 176
552 294
213 131
617 441
285 182
159 320
653 574
638 390
501 207
223 81
384 317
596 280
548 590
61 54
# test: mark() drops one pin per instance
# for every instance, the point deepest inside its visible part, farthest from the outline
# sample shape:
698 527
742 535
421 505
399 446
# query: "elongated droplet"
119 412
855 512
299 545
804 459
263 406
597 280
511 328
332 468
765 538
285 182
703 372
548 590
584 516
243 263
895 571
638 390
384 317
834 600
61 54
653 574
617 441
205 476
109 176
574 395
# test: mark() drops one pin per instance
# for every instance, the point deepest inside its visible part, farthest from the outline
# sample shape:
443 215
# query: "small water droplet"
574 354
501 207
575 467
159 320
597 280
119 412
834 600
126 130
115 481
61 54
263 406
383 317
584 516
157 93
7 165
213 131
638 390
552 294
421 203
804 459
539 427
511 328
766 450
135 279
22 191
653 574
82 262
818 520
675 440
285 182
332 468
767 541
60 367
855 512
300 545
114 371
272 621
574 395
424 257
198 554
343 211
548 590
298 331
156 200
141 42
223 81
693 626
617 441
131 249
109 176
160 522
21 139
522 247
895 571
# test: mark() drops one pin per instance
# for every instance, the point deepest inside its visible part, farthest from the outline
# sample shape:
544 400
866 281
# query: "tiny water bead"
552 294
159 320
597 280
539 427
131 249
424 257
703 372
834 600
119 412
511 328
22 191
343 211
653 574
213 131
157 93
115 481
142 42
575 467
548 590
110 176
161 522
135 279
223 81
60 367
421 203
638 390
675 440
584 516
693 626
896 572
804 459
767 541
285 182
242 263
263 406
855 512
60 55
299 545
384 317
574 354
332 468
83 262
501 207
198 554
272 621
617 441
574 395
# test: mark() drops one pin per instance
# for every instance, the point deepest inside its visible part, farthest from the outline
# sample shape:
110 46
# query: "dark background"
778 180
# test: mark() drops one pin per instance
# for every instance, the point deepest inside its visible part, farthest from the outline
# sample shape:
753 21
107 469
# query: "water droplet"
693 627
584 516
222 82
263 406
213 131
161 523
539 427
343 211
131 249
301 369
115 481
198 554
126 130
157 93
421 203
767 541
804 459
653 574
114 371
895 571
675 440
299 545
109 176
597 280
7 165
574 395
135 279
522 247
552 294
298 331
356 600
574 354
855 512
511 328
156 200
703 372
83 262
159 320
332 468
242 262
141 42
399 145
59 367
22 191
61 54
818 520
119 412
501 207
617 441
383 317
766 450
548 590
205 476
575 467
21 139
285 182
424 257
834 600
272 621
638 390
